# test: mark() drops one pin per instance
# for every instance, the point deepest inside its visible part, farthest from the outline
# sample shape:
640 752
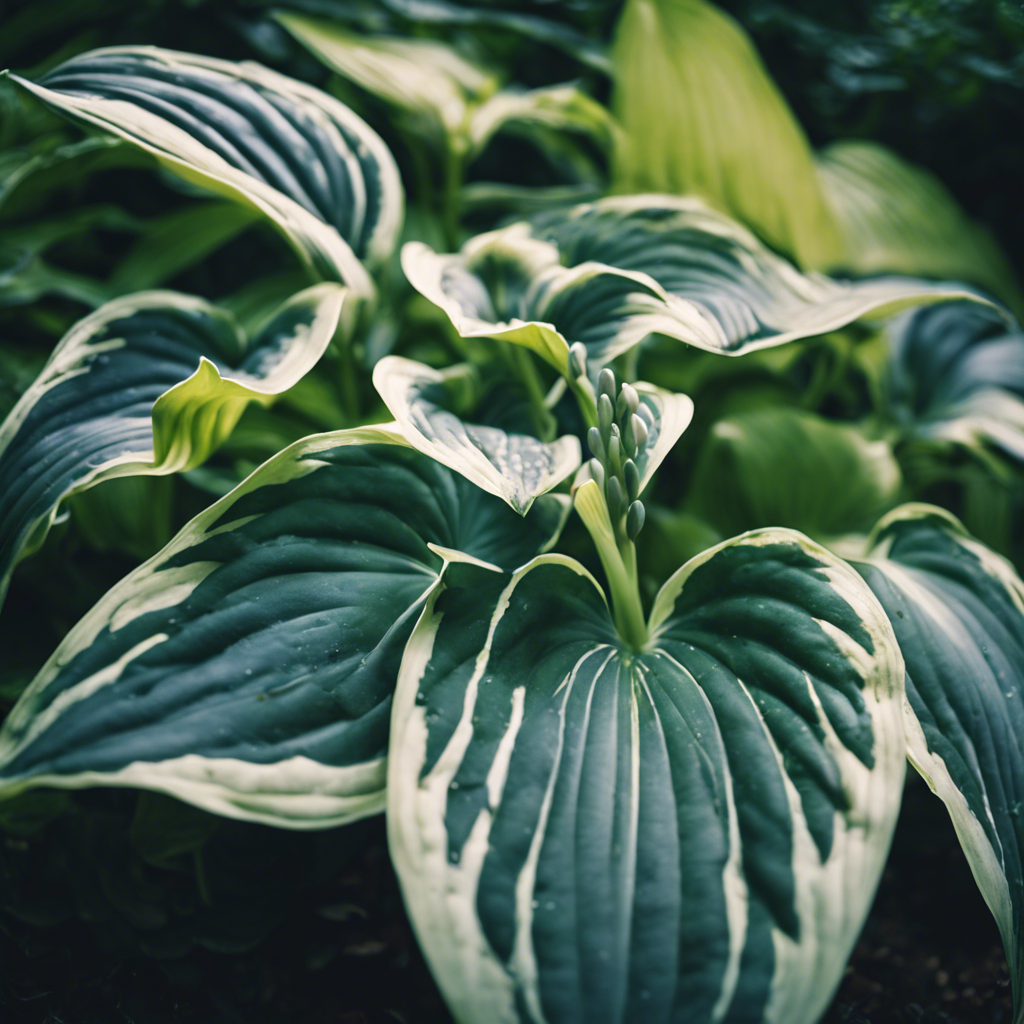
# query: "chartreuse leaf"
898 218
955 375
793 468
609 274
248 667
461 100
958 612
701 115
691 831
515 467
303 159
422 76
152 384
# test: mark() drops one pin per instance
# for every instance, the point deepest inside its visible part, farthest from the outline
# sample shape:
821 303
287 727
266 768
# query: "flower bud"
635 519
605 417
615 498
632 477
595 444
597 472
578 360
628 402
639 432
606 383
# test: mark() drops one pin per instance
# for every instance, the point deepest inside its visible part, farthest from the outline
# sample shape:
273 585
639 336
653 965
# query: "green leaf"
900 219
958 613
515 467
295 154
955 376
148 384
701 115
691 832
248 667
611 273
794 469
422 76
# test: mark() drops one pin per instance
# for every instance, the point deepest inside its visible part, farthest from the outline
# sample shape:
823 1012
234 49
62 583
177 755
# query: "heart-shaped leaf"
690 831
248 667
958 612
149 384
320 174
611 273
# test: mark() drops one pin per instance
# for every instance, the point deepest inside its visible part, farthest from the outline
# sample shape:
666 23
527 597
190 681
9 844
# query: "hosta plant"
587 541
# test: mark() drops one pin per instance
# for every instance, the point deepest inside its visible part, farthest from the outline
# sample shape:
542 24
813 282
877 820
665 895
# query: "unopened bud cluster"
620 437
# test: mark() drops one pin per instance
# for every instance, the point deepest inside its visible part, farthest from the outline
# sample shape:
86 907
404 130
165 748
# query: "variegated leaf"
611 273
248 667
148 384
958 612
956 376
515 467
899 219
303 159
687 832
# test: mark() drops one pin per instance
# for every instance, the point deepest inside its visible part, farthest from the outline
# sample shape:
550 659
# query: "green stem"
526 369
619 561
452 206
585 399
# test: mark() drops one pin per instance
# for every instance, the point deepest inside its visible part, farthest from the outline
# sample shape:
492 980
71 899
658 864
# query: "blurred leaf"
701 115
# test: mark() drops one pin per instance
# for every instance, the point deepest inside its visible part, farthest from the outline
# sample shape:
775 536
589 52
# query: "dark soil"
344 953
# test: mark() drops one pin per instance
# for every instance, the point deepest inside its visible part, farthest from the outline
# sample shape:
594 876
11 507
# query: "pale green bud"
606 383
632 477
635 519
578 359
639 432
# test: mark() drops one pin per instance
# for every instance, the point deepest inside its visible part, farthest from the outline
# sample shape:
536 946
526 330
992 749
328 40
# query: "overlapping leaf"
791 468
303 159
956 376
701 115
898 218
514 466
691 831
148 384
248 667
958 613
611 273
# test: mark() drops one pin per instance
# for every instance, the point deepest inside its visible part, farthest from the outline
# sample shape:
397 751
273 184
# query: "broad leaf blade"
956 376
899 219
148 384
701 115
958 612
690 832
611 273
419 75
248 667
516 467
791 468
300 157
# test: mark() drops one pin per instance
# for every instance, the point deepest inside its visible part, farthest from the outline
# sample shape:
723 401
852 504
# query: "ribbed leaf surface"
691 832
248 667
148 384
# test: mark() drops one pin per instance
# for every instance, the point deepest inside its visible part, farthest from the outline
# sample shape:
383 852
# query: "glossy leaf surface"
248 667
316 170
515 467
611 273
148 384
958 612
691 832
